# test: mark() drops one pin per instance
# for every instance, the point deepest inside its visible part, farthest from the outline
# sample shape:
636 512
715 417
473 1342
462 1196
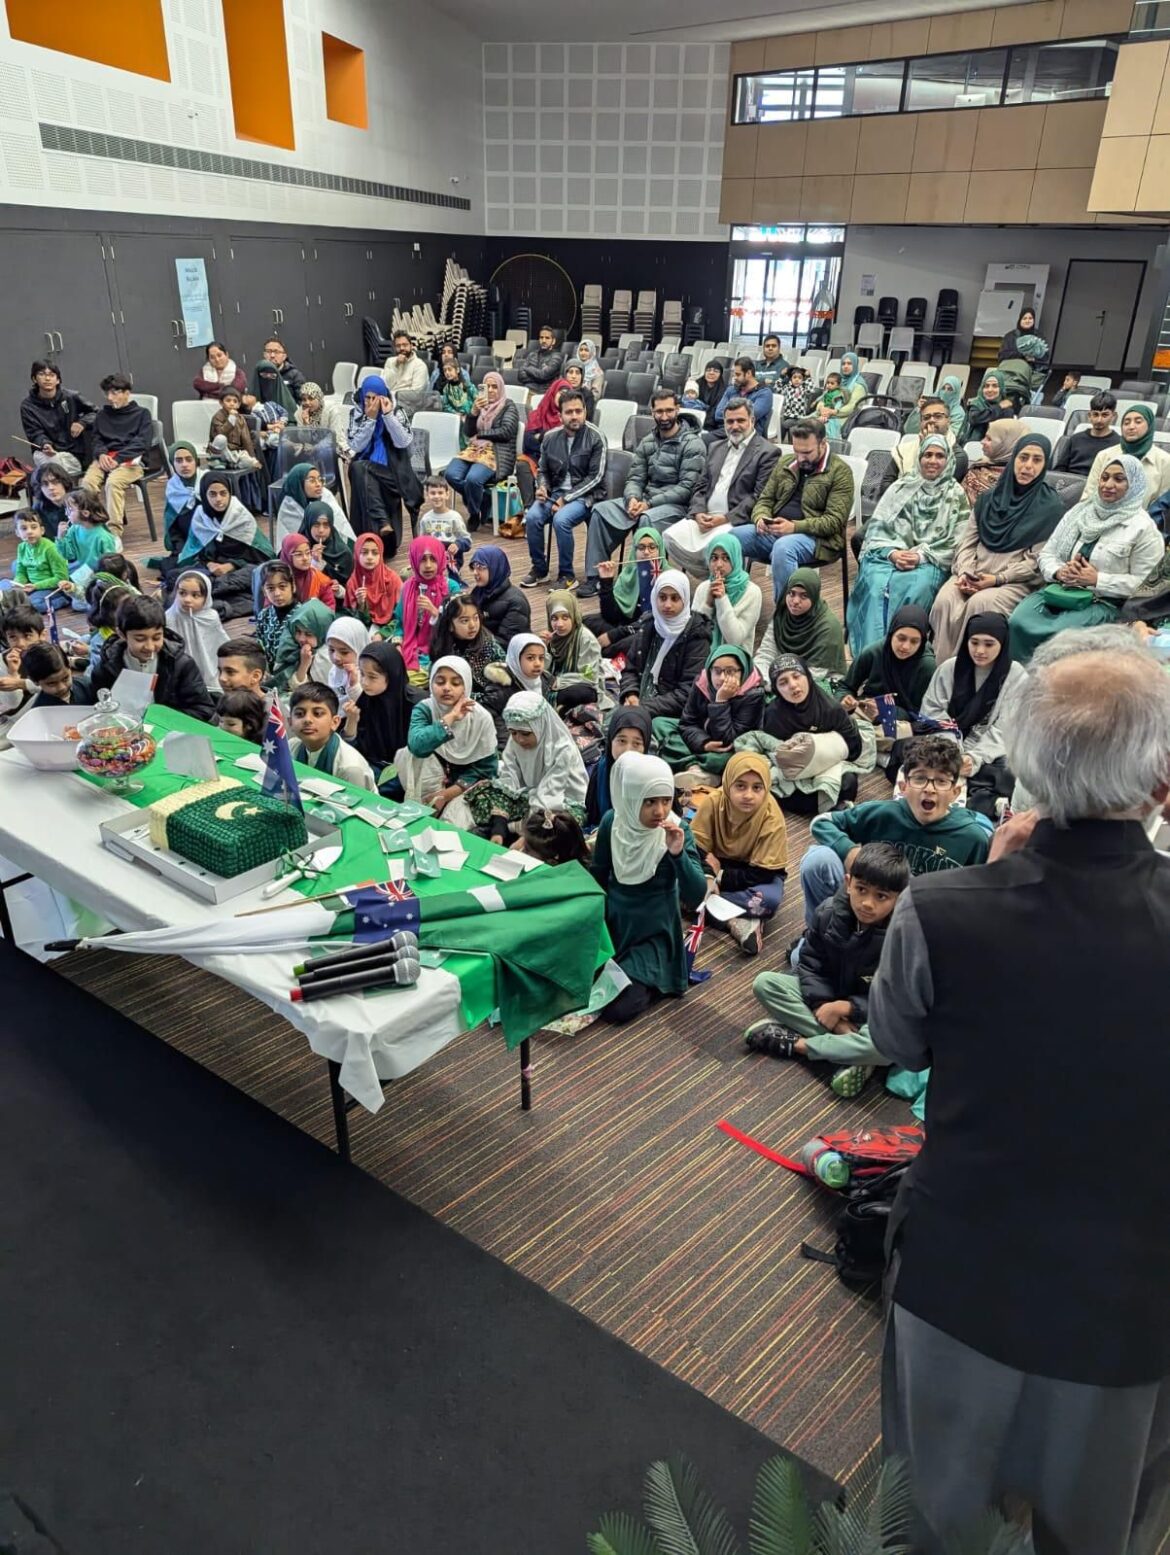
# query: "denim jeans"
765 899
470 481
609 521
564 521
821 873
785 554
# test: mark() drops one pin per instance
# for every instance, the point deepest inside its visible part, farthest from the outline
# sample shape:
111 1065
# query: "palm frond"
621 1534
887 1506
839 1531
685 1520
781 1520
990 1534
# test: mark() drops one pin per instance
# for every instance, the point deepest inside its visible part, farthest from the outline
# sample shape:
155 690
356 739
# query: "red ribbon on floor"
761 1149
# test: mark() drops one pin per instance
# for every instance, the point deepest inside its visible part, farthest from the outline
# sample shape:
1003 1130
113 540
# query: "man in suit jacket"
1028 1346
736 470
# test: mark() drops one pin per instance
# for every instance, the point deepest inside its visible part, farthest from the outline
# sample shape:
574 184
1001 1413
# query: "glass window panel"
826 235
830 98
956 81
874 88
1061 72
786 96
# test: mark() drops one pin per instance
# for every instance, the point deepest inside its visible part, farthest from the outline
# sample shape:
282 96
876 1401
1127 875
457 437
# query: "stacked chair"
695 324
645 314
946 323
620 314
463 308
591 299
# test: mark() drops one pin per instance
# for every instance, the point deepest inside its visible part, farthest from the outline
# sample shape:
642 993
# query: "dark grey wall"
102 289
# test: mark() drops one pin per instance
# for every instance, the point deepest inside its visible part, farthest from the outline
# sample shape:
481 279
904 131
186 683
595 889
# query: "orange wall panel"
97 30
258 69
345 82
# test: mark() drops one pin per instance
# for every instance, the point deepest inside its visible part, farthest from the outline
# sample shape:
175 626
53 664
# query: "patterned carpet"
617 1192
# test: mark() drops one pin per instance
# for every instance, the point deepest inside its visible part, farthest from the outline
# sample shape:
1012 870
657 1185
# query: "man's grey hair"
1089 735
1088 639
737 402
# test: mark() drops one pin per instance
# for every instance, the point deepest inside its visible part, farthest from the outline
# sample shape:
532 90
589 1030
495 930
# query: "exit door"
1097 313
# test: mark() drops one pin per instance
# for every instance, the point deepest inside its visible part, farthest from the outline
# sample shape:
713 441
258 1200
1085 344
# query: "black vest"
1037 1224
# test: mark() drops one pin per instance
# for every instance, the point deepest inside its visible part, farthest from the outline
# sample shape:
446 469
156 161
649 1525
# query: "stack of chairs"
696 322
463 307
672 320
916 320
645 314
591 298
619 315
946 323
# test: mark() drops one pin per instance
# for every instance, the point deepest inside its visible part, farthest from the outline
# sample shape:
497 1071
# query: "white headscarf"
669 630
474 736
589 365
552 773
351 632
637 850
516 647
202 632
1093 517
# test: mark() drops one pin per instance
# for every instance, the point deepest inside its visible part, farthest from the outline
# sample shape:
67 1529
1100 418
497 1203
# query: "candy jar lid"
107 716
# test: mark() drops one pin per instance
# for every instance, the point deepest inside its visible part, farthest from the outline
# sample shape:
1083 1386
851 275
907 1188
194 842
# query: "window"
793 234
987 78
956 81
1061 72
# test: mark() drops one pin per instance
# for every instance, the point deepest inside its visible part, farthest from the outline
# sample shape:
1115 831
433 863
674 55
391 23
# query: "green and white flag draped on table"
544 931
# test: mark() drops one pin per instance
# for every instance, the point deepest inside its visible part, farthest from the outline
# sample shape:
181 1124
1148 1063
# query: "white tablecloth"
49 826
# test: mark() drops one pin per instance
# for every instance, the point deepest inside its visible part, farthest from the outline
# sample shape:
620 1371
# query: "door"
340 277
54 303
154 330
775 295
1097 313
267 293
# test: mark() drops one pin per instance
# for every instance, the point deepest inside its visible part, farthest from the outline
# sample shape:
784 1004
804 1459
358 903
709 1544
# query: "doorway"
1097 313
775 294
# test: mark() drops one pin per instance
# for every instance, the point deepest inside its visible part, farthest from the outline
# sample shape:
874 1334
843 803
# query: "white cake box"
37 735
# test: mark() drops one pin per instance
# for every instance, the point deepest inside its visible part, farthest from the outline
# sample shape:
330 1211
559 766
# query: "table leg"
525 1077
5 915
340 1121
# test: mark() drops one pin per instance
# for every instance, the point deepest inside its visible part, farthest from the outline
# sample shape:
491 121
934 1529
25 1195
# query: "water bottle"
827 1165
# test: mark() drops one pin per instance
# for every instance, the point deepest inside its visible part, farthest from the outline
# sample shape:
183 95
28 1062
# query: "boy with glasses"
922 823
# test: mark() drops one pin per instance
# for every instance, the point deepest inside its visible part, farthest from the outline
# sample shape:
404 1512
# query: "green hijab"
627 586
338 553
737 580
294 483
1010 517
314 617
817 637
979 403
1142 445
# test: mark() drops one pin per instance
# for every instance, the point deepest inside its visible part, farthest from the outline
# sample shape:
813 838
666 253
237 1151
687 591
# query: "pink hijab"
416 622
488 415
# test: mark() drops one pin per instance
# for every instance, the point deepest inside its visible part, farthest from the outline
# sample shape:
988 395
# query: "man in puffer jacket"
668 464
545 364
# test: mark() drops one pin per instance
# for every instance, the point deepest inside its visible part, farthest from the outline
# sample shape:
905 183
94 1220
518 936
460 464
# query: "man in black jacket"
1028 1346
122 431
543 365
572 475
53 419
1075 453
728 489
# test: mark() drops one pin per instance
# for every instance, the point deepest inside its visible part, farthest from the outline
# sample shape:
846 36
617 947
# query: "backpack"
859 1253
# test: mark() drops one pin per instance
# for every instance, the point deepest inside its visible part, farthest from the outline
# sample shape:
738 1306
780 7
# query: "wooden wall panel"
739 151
775 200
831 146
1072 133
1060 196
886 143
1118 173
1096 18
960 31
945 142
937 197
794 51
1154 190
1137 85
843 45
780 149
735 199
994 197
1023 23
1008 137
879 199
897 40
826 199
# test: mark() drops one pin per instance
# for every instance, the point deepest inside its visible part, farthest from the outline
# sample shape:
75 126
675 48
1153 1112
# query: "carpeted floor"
217 1340
617 1192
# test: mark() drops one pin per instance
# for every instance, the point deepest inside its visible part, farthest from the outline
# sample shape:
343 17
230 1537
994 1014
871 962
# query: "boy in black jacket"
143 644
821 1012
122 431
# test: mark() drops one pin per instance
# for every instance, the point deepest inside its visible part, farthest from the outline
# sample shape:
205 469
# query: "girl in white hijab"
193 618
344 642
451 744
659 676
521 662
648 864
586 360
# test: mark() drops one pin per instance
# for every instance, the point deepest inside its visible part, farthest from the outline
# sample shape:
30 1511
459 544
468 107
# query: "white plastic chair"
443 428
1044 425
775 417
921 370
148 402
974 452
344 378
1083 401
518 393
869 336
813 363
1090 381
863 440
670 345
364 373
632 339
520 336
504 352
959 370
857 465
883 367
901 339
612 416
191 421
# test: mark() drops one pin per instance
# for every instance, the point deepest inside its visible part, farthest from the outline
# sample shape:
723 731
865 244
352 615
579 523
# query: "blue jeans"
786 553
821 874
470 481
758 901
564 521
38 598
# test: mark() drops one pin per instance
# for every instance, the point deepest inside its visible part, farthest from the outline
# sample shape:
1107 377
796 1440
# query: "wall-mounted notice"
868 285
195 301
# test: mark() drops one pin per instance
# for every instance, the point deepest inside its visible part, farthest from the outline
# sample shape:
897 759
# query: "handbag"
508 509
482 453
1065 596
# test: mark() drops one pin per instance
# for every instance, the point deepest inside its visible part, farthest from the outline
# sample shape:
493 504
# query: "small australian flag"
279 773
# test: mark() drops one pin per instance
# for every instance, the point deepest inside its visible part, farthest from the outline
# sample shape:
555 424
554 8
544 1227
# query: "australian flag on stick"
691 940
279 773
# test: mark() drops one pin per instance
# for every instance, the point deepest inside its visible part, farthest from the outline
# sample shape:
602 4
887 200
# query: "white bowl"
37 736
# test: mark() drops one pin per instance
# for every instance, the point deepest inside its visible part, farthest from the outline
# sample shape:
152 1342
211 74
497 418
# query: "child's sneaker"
851 1081
748 934
771 1038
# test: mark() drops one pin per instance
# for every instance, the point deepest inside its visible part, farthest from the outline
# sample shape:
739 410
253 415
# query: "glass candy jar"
114 746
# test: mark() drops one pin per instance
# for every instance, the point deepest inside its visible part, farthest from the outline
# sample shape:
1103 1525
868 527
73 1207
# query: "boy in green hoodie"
921 823
40 568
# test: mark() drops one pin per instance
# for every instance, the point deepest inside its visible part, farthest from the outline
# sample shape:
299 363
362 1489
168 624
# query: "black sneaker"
533 579
772 1039
588 589
567 581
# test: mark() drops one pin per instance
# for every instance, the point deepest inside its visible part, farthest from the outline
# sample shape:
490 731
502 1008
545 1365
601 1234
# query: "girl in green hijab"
305 627
335 556
728 595
628 601
1137 439
990 404
803 624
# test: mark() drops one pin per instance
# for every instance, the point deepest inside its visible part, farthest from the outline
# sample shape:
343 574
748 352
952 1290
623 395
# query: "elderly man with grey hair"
1028 1342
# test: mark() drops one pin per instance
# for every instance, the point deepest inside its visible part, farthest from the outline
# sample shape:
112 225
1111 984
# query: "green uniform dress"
644 920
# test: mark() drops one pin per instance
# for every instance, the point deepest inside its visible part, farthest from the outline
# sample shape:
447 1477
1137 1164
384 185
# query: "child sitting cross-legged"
315 715
244 713
552 836
923 822
40 568
741 836
143 644
48 669
86 541
821 1011
450 745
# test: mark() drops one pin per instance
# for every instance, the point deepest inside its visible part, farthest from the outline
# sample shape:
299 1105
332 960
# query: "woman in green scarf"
909 544
803 624
330 551
625 592
728 593
1137 439
990 404
181 497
